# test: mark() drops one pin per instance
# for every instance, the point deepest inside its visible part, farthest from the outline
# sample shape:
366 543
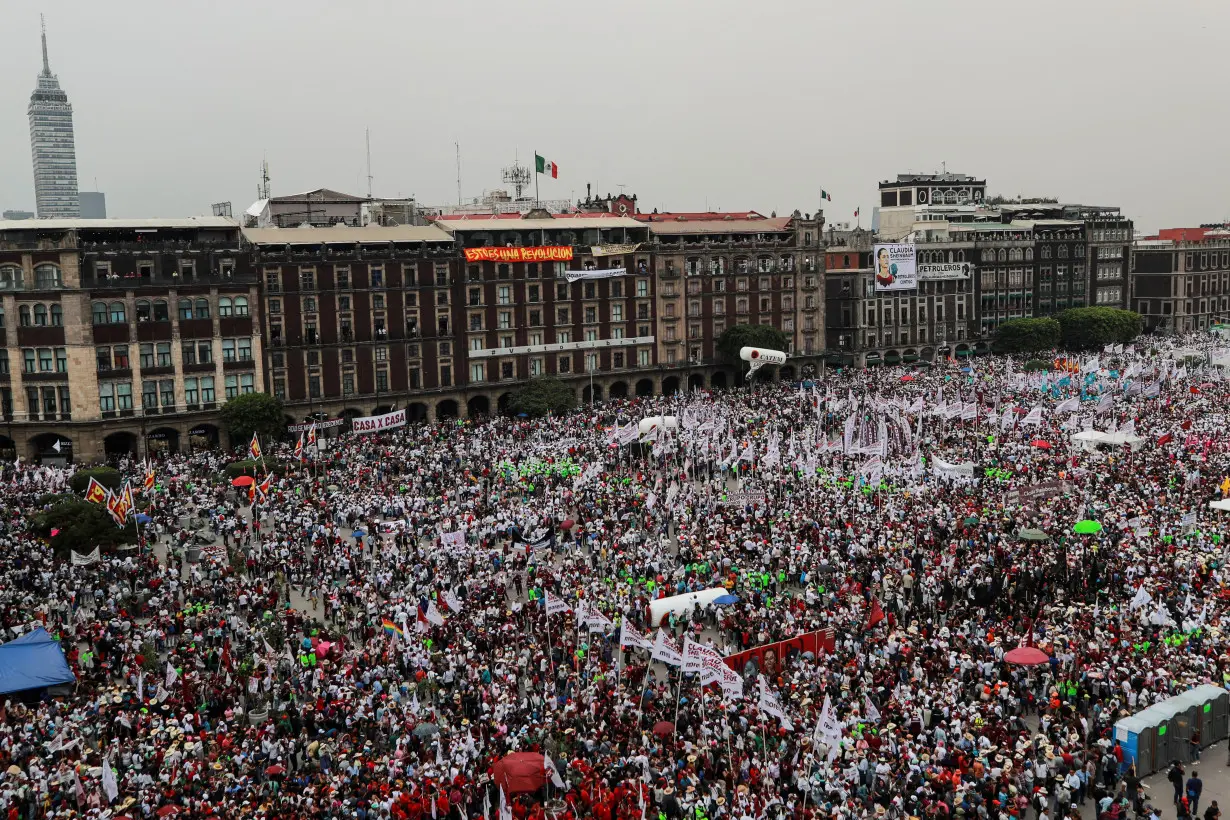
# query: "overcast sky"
727 104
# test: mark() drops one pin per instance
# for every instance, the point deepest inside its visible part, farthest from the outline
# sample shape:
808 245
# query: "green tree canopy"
736 337
80 526
251 413
1089 328
109 477
1027 336
541 396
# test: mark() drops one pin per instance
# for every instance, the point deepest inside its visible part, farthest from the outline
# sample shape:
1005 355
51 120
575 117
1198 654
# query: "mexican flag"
542 166
825 195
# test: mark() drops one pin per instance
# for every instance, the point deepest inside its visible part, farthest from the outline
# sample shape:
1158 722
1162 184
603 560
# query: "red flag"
876 615
1164 440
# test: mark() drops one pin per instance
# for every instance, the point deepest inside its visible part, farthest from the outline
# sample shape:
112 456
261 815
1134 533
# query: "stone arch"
786 373
203 437
351 413
928 354
478 406
8 448
670 385
447 409
719 380
644 387
162 440
618 390
696 381
122 443
381 409
416 411
43 448
585 394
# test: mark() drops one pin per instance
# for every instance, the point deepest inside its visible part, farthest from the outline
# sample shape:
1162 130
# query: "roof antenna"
46 63
368 134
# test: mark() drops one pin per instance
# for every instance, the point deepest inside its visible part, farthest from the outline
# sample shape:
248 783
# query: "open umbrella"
520 772
906 378
663 728
1040 443
275 770
358 533
1027 656
568 524
426 730
240 481
142 518
726 600
168 810
1033 535
1087 527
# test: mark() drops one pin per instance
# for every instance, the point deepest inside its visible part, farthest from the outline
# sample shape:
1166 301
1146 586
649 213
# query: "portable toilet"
1138 738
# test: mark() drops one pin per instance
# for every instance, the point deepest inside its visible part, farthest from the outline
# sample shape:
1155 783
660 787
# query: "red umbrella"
275 770
663 728
568 524
907 378
1027 656
1040 443
242 481
520 773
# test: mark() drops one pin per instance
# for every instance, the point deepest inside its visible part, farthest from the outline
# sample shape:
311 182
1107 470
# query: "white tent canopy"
1222 504
1092 438
683 604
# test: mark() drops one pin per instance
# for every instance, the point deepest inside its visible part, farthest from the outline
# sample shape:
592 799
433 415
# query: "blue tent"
33 661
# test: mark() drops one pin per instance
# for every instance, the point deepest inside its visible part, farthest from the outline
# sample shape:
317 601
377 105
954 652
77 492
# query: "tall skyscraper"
53 146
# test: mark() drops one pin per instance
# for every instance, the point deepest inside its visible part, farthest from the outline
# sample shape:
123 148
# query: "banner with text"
544 253
374 424
606 273
772 658
894 267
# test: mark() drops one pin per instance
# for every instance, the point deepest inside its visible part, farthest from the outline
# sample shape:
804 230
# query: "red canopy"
243 481
664 728
1041 443
1027 656
520 772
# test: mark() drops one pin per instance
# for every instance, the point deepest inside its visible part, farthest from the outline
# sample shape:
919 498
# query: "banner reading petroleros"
894 267
374 424
545 253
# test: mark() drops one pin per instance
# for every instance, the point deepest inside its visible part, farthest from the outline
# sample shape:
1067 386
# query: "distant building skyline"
53 146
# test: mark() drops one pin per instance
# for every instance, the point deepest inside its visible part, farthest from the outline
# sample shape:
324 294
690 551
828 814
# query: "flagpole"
536 179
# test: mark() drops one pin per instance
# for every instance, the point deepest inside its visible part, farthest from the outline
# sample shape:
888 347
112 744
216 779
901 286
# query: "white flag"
666 650
1033 418
869 708
141 686
505 809
628 636
556 605
450 601
696 655
771 704
551 770
110 788
1140 599
433 615
1072 405
87 559
596 621
172 675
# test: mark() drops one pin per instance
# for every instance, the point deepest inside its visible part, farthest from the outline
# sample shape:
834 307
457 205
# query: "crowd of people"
454 619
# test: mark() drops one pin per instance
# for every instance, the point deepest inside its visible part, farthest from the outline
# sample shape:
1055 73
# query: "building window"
10 278
191 395
564 364
224 307
45 360
149 395
642 287
207 390
106 397
166 387
228 350
232 386
164 354
202 308
478 371
47 277
643 357
40 315
118 314
307 280
504 295
146 352
536 366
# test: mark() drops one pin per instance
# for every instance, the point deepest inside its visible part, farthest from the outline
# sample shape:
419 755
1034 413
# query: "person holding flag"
254 449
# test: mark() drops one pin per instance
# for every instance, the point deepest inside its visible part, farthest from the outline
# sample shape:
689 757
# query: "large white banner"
894 267
606 273
943 468
374 424
80 560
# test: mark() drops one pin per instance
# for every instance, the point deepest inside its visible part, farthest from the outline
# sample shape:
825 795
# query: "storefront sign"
373 424
327 424
547 253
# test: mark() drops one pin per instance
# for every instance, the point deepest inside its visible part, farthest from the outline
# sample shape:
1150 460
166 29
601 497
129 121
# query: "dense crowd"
448 620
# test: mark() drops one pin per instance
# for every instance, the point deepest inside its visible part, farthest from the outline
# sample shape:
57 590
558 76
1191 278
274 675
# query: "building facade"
123 336
1182 284
53 147
718 270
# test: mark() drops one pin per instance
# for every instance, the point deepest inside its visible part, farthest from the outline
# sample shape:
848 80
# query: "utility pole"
457 145
368 134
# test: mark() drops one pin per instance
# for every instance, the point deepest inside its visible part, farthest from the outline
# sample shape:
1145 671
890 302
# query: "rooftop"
761 225
345 235
912 179
116 224
319 195
515 222
699 216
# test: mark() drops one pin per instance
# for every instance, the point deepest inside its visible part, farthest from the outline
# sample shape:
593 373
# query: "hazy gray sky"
726 103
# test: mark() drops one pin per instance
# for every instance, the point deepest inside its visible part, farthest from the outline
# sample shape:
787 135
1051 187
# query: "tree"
541 396
109 477
253 468
1089 328
1027 336
81 526
251 413
736 337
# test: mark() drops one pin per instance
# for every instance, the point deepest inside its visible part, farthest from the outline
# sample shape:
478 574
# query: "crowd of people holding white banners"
454 620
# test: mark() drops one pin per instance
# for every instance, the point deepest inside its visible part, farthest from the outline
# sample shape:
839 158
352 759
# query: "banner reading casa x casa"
543 253
373 424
